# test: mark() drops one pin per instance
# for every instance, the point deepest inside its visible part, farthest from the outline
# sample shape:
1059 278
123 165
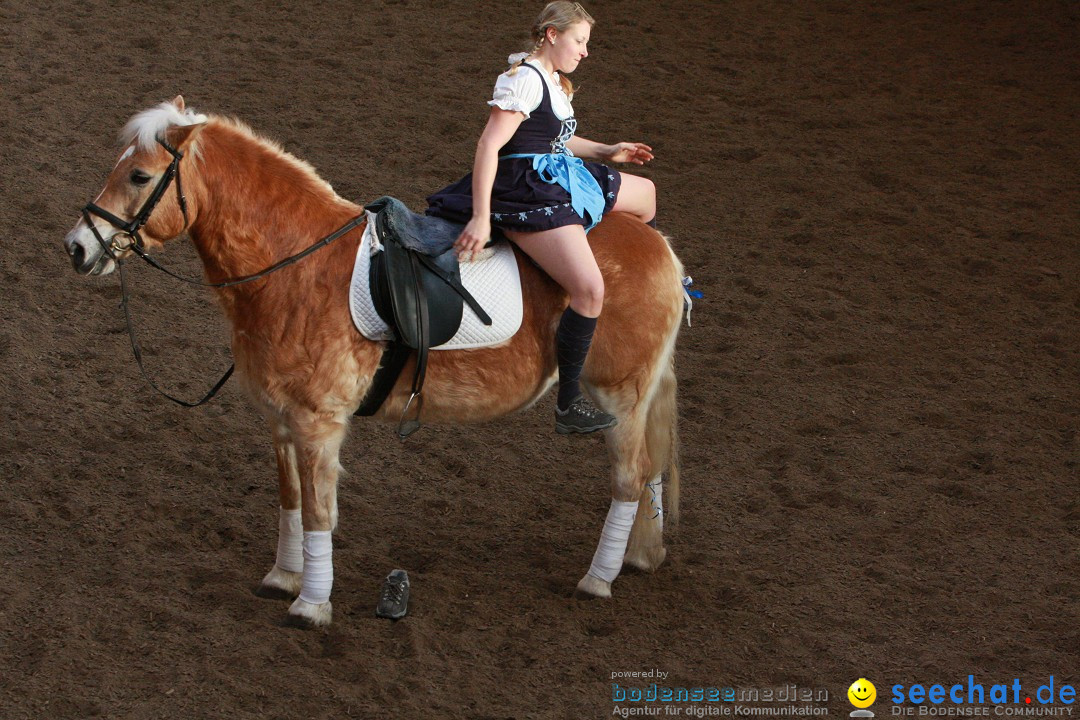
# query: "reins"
138 352
318 245
136 245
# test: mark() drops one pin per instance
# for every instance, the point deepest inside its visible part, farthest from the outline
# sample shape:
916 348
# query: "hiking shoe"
394 600
582 417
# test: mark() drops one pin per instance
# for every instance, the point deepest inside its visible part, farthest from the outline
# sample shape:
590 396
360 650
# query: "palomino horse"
249 204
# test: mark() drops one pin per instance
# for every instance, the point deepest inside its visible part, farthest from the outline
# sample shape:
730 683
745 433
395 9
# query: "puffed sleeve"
521 91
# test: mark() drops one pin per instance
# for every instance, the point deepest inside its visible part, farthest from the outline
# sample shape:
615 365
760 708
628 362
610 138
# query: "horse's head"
143 196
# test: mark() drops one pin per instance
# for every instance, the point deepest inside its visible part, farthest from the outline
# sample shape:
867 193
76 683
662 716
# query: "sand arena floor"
879 402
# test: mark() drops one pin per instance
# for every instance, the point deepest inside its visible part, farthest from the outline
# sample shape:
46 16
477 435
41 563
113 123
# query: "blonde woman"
531 179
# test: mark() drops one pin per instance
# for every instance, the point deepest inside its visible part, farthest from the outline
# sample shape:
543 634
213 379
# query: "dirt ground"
879 394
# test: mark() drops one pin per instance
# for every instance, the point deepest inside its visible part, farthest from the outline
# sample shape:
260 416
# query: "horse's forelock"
145 128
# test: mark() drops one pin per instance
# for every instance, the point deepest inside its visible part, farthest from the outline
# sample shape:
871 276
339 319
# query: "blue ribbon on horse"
571 175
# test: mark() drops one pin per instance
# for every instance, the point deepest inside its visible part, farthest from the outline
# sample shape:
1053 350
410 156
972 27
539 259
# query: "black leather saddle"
416 289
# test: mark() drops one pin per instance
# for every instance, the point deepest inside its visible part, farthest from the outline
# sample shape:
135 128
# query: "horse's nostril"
78 256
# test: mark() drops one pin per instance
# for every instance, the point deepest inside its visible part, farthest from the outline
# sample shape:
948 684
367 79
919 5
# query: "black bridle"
130 230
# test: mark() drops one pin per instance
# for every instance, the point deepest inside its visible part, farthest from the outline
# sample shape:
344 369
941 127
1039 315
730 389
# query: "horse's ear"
178 102
181 136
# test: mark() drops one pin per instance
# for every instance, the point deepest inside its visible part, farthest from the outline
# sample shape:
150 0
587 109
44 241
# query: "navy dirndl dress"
539 184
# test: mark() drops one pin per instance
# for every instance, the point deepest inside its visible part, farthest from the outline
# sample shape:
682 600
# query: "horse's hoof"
307 615
280 584
593 587
646 559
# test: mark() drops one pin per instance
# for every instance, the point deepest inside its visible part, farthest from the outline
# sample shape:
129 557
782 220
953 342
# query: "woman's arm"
501 126
624 152
587 149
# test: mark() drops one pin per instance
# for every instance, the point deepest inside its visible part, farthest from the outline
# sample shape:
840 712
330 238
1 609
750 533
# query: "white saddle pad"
492 279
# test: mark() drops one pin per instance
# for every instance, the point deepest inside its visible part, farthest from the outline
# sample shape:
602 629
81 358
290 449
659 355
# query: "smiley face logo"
862 693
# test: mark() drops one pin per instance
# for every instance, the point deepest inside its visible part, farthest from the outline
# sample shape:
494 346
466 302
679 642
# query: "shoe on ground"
394 599
582 417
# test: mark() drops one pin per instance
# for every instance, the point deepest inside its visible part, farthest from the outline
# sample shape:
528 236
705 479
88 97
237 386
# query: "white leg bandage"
318 567
608 559
655 496
290 541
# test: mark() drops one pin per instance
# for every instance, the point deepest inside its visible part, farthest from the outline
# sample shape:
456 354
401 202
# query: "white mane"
145 128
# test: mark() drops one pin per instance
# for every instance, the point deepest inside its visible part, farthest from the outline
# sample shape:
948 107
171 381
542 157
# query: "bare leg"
565 255
637 195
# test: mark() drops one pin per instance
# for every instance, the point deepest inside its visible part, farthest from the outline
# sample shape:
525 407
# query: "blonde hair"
559 15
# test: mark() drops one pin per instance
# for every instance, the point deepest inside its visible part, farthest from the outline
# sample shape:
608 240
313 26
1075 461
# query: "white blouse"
522 92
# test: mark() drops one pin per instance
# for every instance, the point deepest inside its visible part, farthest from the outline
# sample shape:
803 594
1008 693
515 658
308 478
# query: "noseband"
130 229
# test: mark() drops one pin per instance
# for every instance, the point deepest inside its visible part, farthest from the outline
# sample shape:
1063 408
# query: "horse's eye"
139 177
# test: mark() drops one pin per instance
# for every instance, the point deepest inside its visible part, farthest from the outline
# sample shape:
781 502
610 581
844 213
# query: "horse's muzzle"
87 255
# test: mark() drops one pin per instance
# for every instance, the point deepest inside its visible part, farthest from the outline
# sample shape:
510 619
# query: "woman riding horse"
528 180
249 206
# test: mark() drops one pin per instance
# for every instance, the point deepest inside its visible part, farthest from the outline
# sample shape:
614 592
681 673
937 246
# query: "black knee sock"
572 341
652 223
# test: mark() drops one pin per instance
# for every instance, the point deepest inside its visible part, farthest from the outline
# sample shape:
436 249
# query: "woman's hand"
473 238
630 152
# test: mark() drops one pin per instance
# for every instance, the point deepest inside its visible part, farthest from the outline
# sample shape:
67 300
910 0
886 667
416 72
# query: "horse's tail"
662 436
662 427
